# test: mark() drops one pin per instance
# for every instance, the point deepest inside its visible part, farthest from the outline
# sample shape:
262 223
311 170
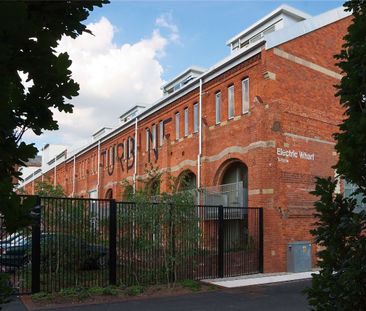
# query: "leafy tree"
164 225
29 34
341 283
351 141
47 189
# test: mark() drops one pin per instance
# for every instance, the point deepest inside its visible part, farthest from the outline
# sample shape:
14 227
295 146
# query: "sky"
137 46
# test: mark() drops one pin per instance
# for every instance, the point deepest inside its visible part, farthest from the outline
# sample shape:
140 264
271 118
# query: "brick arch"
223 169
109 194
186 174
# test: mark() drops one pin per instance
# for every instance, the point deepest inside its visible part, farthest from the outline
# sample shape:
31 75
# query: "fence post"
220 248
112 242
261 236
172 243
36 246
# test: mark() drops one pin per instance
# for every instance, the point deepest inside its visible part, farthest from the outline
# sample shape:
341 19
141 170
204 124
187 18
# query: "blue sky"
204 26
137 46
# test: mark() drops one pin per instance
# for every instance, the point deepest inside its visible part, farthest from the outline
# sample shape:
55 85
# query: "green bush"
110 291
5 288
96 291
42 296
340 284
134 290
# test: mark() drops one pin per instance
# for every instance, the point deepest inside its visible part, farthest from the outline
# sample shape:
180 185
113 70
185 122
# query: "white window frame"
147 140
177 136
245 95
161 133
130 147
154 136
218 108
195 118
125 149
230 102
186 121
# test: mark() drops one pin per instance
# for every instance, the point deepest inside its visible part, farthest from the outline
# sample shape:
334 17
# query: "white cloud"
112 78
166 21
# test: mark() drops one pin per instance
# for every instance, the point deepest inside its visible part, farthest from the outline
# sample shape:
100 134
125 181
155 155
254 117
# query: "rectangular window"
245 95
129 147
230 102
177 126
125 142
161 133
185 122
218 107
110 155
147 140
154 136
195 118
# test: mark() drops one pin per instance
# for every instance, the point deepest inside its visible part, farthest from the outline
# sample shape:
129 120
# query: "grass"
192 285
83 293
79 293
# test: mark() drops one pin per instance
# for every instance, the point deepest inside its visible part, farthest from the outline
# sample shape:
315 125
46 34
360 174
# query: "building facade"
263 118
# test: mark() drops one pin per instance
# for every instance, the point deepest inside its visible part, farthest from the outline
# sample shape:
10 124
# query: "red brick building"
262 118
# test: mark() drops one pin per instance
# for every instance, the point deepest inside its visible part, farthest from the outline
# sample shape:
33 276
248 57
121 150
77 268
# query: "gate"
19 251
236 235
92 242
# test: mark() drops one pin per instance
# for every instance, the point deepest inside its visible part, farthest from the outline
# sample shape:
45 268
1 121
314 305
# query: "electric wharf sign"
284 155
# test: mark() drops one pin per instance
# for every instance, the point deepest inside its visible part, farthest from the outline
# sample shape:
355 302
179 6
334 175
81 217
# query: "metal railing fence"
87 242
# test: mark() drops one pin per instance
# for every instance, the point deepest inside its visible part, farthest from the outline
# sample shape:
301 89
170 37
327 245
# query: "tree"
351 141
47 189
29 34
163 225
340 230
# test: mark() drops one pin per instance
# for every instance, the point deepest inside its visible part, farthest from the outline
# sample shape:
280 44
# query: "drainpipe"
55 174
73 179
98 169
33 183
135 155
199 139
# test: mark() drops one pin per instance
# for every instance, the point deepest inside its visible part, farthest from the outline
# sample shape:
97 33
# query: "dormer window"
181 80
283 16
244 44
235 45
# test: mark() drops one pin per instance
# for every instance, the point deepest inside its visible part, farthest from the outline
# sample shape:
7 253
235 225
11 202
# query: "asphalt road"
281 297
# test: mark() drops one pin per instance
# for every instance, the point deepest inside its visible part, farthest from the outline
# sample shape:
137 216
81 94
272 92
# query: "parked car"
56 249
12 239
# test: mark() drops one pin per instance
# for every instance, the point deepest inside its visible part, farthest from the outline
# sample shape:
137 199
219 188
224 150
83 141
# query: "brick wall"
292 109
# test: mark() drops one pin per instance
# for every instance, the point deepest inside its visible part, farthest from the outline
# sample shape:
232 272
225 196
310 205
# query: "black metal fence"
88 242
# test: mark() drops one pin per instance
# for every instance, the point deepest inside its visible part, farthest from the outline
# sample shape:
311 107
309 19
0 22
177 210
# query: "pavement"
274 297
260 279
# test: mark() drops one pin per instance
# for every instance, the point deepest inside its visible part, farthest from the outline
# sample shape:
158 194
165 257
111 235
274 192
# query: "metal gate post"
172 243
220 248
261 236
112 242
36 246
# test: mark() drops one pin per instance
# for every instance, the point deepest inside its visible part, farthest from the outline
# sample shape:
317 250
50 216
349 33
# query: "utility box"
299 256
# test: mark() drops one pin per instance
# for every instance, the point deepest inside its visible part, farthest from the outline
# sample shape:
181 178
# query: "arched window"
186 181
109 194
234 184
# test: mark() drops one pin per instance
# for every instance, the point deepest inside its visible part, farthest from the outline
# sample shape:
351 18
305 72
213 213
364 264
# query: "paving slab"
260 279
